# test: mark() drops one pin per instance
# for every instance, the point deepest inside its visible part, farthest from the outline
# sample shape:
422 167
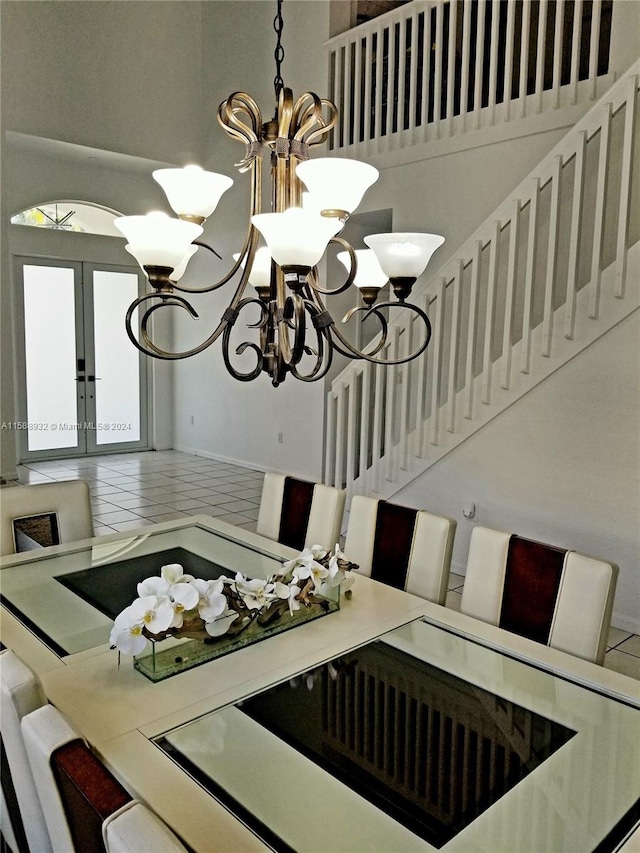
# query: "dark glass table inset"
424 739
430 750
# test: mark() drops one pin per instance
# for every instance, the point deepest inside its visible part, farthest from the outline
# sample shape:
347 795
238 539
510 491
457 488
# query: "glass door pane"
52 392
117 362
83 384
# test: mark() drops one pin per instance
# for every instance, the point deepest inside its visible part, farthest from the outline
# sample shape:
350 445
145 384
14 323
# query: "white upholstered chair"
300 514
68 501
406 548
21 694
84 805
557 597
135 828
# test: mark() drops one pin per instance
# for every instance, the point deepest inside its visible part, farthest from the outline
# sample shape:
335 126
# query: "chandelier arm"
206 246
358 354
307 115
226 343
322 364
384 327
171 300
319 136
236 104
285 112
294 310
313 277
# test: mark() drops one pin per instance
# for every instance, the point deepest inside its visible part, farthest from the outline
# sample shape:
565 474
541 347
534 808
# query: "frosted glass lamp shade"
156 239
180 270
369 272
404 255
296 238
336 183
260 273
192 191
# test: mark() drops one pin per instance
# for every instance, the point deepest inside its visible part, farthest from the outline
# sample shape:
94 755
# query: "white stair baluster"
598 224
543 8
596 15
487 359
524 55
557 54
454 345
466 52
472 329
508 72
625 186
451 65
530 275
552 258
438 343
512 275
574 236
493 60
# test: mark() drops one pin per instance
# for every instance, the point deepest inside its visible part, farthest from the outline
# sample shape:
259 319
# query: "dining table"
388 724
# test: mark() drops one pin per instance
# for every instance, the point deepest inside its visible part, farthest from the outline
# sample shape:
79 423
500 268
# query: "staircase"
553 269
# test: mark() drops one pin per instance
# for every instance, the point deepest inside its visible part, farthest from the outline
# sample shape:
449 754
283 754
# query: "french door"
83 383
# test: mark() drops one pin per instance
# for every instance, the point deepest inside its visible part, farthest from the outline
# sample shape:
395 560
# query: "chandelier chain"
278 26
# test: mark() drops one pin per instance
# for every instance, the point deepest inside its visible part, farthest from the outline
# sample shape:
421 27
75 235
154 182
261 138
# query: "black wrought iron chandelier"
295 332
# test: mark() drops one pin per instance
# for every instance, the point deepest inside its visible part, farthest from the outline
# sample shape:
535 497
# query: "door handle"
92 378
80 379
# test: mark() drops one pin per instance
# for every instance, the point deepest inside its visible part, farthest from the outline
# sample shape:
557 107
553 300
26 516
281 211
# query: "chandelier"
279 282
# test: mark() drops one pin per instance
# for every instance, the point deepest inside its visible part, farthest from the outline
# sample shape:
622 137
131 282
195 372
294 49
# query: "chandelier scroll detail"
279 283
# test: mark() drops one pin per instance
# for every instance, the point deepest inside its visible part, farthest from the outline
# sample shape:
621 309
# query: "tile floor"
137 489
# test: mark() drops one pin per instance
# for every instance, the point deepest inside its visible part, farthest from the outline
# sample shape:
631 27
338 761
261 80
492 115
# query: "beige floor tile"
617 635
630 646
453 600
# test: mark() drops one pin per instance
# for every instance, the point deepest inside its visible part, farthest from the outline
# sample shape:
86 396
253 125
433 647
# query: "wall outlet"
470 510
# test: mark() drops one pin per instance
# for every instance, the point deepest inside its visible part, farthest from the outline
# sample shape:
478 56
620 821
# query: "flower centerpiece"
175 604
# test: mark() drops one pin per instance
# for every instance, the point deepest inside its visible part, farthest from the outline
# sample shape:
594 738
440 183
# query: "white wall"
561 466
119 76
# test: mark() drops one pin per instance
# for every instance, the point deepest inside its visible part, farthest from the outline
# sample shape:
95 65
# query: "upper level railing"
432 68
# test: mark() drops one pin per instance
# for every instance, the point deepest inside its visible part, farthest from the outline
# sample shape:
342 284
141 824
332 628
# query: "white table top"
120 712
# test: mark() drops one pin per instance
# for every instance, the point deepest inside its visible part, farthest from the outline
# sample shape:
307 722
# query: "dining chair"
21 693
299 513
85 806
552 595
61 511
406 548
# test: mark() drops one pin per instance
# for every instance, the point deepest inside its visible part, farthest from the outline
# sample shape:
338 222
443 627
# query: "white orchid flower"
126 634
294 604
256 593
185 596
304 558
336 575
221 625
174 573
318 574
281 590
154 613
211 602
153 586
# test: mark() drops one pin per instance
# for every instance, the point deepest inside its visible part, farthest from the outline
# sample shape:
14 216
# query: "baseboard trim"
218 458
625 623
